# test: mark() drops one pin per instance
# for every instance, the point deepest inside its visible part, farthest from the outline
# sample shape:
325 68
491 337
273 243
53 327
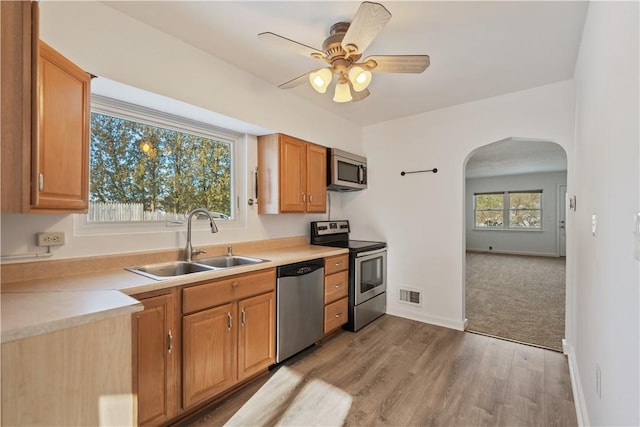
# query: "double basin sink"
168 270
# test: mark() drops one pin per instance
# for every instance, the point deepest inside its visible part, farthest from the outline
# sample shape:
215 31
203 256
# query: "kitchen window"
150 168
508 210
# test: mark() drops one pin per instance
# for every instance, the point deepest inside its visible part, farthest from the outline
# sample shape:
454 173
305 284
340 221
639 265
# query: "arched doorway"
515 274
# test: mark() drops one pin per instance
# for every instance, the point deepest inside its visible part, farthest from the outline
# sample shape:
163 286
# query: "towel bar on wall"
434 170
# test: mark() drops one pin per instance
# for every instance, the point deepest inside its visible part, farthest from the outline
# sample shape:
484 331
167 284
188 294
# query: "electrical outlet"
51 238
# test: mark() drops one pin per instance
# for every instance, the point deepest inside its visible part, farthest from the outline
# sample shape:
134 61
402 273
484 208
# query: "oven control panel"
322 228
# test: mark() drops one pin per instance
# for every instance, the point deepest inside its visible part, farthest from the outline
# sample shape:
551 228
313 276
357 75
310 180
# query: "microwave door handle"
362 172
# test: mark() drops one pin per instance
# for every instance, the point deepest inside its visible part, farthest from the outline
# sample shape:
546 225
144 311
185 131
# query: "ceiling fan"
342 51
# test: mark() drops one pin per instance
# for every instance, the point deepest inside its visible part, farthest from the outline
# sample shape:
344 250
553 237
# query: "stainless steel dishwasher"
300 307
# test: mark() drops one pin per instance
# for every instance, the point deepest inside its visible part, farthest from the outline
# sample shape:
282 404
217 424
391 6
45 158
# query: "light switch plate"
636 240
594 224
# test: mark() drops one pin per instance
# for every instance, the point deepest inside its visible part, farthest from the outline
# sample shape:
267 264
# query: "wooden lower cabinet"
155 359
336 291
230 341
256 334
209 353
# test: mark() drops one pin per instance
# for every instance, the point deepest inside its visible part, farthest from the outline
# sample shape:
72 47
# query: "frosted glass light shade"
360 78
343 93
320 79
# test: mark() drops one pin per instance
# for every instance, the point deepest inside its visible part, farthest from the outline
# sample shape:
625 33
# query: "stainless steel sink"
168 270
229 261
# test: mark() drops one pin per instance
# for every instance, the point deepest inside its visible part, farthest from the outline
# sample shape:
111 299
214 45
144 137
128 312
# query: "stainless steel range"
367 271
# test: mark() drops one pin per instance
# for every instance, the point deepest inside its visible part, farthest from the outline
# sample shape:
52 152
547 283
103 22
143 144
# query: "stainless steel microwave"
347 172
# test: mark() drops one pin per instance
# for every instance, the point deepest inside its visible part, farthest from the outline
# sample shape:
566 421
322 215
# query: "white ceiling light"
359 77
320 79
343 93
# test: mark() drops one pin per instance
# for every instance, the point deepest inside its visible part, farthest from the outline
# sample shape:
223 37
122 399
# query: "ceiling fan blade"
286 43
370 19
295 82
398 63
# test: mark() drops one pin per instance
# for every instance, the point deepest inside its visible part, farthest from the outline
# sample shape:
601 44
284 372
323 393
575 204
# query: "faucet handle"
230 250
198 251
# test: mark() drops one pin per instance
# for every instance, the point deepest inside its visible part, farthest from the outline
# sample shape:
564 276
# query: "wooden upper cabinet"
15 95
316 178
292 175
44 125
60 156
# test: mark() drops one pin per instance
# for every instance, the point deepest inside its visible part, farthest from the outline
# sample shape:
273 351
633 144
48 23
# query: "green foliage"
524 209
164 169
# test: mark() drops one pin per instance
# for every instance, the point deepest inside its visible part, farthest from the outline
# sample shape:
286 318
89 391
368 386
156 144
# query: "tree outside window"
508 210
142 172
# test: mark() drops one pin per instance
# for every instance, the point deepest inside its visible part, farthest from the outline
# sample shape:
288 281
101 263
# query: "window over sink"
148 168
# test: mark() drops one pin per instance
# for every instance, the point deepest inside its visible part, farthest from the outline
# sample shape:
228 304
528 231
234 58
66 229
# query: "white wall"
605 291
526 242
112 45
421 216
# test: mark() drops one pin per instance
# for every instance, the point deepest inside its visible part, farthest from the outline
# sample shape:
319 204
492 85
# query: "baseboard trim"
485 251
433 320
576 386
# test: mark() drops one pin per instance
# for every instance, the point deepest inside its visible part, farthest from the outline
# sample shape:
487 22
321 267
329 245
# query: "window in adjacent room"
515 210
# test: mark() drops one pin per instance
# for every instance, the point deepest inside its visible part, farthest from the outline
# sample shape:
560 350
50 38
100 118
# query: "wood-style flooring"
400 372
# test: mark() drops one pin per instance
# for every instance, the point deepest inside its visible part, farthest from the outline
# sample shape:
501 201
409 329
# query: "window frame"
506 211
129 111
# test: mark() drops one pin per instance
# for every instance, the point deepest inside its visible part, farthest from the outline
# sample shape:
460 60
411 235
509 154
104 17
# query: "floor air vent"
410 296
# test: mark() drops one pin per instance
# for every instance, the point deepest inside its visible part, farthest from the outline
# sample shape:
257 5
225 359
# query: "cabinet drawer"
336 286
336 263
335 315
228 289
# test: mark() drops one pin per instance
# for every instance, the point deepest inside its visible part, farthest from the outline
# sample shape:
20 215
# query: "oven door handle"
364 254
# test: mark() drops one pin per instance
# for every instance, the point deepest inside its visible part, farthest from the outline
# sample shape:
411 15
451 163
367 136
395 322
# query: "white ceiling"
478 49
514 156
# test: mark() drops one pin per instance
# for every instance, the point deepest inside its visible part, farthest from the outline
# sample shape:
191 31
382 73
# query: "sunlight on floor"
312 403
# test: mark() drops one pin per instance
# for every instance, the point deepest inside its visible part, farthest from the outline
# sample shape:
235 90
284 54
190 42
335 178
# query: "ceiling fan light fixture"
359 77
320 79
342 93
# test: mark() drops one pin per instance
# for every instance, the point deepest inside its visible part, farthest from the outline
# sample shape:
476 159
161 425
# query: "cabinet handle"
338 315
338 264
244 317
40 182
170 341
230 320
234 284
310 198
339 285
304 198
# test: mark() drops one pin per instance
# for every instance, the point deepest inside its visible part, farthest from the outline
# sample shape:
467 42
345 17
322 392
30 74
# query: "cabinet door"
15 104
257 334
209 353
316 178
293 172
60 153
154 328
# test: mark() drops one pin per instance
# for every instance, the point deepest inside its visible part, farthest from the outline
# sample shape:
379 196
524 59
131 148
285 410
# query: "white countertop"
34 307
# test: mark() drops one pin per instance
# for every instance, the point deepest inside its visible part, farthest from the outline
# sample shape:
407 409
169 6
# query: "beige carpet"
521 298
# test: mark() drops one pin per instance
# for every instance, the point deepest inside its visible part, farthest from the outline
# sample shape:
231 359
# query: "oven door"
370 275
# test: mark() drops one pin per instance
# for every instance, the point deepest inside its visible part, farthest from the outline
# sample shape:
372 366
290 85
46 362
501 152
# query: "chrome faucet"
190 250
229 250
